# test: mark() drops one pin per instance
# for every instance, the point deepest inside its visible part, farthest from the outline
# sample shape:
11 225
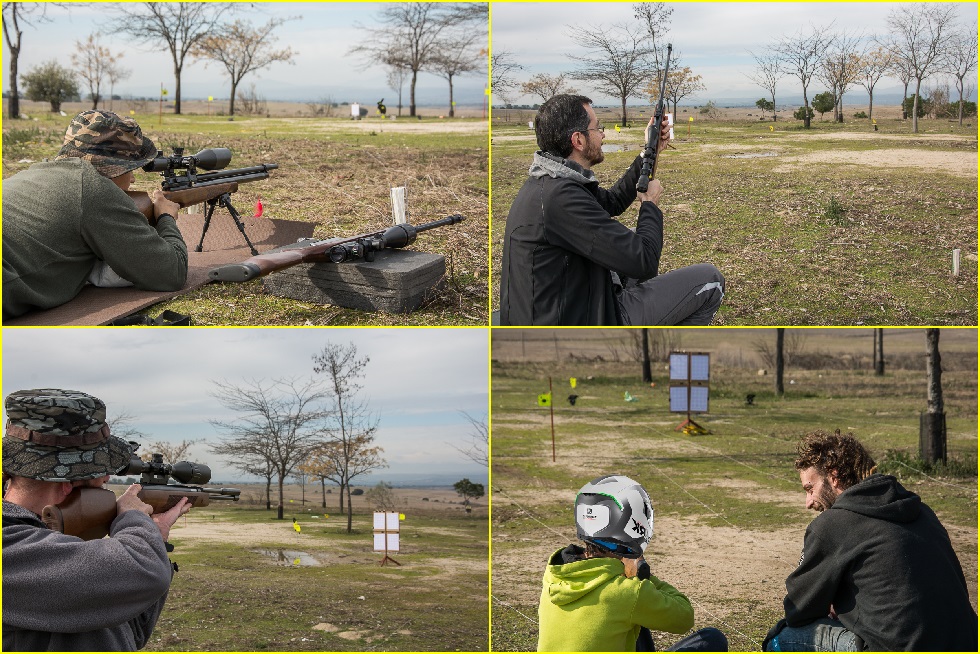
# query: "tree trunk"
915 107
323 490
341 498
780 337
624 112
350 511
774 106
905 96
452 106
268 493
647 375
932 433
806 114
871 103
231 102
879 352
411 94
281 500
177 97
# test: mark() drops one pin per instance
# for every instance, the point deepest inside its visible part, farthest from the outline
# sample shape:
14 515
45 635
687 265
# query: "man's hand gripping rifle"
88 512
337 250
648 170
191 187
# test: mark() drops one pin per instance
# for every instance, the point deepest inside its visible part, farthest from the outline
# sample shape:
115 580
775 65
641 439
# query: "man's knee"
714 639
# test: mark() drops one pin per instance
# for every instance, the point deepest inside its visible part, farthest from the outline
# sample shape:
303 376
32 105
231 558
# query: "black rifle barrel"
649 167
250 174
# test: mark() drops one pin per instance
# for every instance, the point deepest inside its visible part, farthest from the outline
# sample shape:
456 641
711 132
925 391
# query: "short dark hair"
838 453
559 118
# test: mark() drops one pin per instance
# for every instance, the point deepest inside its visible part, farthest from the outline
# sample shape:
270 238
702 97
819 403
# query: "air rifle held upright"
648 169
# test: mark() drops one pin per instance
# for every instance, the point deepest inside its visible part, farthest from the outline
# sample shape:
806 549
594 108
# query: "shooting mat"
224 244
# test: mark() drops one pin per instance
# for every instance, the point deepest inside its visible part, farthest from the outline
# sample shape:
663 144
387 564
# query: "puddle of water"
612 147
749 155
290 557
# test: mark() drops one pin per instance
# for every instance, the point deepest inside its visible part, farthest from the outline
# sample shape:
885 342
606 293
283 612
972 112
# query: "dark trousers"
708 639
686 296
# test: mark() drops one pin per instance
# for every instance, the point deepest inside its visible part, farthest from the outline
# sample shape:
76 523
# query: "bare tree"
645 343
382 497
918 34
502 70
655 19
477 449
841 68
961 58
780 362
351 433
681 83
93 63
178 26
875 64
122 426
320 465
15 16
279 421
396 81
408 37
459 54
116 73
547 86
769 71
616 62
879 352
243 49
802 54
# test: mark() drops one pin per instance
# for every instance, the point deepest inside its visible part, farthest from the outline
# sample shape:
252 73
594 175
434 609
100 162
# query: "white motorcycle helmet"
614 512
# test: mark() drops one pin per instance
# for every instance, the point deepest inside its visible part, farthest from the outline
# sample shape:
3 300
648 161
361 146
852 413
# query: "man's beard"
825 499
593 152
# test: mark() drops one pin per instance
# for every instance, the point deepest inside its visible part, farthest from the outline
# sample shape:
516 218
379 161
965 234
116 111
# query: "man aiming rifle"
566 261
61 592
64 219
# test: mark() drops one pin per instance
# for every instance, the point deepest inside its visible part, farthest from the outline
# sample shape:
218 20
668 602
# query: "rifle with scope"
190 187
648 169
88 512
336 250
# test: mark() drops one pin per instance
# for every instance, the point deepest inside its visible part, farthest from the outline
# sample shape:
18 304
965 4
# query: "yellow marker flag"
163 92
132 113
544 400
771 128
617 128
573 381
210 98
401 516
295 561
296 527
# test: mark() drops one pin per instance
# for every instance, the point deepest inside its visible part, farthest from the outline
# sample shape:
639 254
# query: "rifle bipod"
224 201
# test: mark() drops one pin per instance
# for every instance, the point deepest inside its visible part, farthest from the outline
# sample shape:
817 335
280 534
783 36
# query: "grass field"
730 512
244 582
336 173
837 225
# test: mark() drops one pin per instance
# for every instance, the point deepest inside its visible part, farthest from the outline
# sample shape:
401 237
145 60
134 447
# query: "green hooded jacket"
589 605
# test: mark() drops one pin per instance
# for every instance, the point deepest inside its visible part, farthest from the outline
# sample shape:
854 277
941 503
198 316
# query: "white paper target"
678 367
700 367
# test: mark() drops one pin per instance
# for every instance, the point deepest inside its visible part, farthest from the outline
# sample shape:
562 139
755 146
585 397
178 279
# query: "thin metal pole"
551 405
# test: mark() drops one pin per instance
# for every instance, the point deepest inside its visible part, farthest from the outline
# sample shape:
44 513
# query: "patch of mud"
961 164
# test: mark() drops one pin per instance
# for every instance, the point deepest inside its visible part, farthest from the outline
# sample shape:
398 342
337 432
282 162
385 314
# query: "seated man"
60 592
67 218
566 261
602 598
877 571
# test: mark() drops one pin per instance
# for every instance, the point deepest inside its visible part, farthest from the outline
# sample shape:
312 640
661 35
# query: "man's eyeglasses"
601 128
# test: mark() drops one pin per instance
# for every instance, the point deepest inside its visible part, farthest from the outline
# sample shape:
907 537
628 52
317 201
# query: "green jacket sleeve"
154 259
662 607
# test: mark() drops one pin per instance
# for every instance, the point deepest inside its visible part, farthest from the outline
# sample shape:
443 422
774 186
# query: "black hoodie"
882 559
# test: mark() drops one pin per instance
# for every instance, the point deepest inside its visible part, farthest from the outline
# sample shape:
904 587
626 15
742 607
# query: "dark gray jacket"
883 560
561 243
61 593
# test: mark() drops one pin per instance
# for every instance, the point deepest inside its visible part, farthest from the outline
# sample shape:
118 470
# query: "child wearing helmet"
599 597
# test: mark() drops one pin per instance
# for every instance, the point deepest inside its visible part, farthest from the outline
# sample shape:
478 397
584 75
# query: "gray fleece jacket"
60 218
61 593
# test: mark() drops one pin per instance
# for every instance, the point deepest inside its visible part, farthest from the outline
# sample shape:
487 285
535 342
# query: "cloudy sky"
713 38
418 381
323 67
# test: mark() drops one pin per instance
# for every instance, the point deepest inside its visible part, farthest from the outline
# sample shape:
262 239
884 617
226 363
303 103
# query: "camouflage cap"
113 145
60 435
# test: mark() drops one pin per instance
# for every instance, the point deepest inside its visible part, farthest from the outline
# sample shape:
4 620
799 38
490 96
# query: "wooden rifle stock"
185 198
88 512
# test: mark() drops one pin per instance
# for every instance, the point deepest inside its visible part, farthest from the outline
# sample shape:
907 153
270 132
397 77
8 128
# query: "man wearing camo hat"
61 592
66 218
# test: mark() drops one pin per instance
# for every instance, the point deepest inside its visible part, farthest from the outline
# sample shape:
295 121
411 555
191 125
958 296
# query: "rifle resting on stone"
88 512
191 187
337 250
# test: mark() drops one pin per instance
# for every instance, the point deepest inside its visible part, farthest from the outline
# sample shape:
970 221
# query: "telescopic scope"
155 471
207 159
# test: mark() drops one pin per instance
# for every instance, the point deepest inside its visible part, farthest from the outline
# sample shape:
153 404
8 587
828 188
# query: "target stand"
386 534
689 377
